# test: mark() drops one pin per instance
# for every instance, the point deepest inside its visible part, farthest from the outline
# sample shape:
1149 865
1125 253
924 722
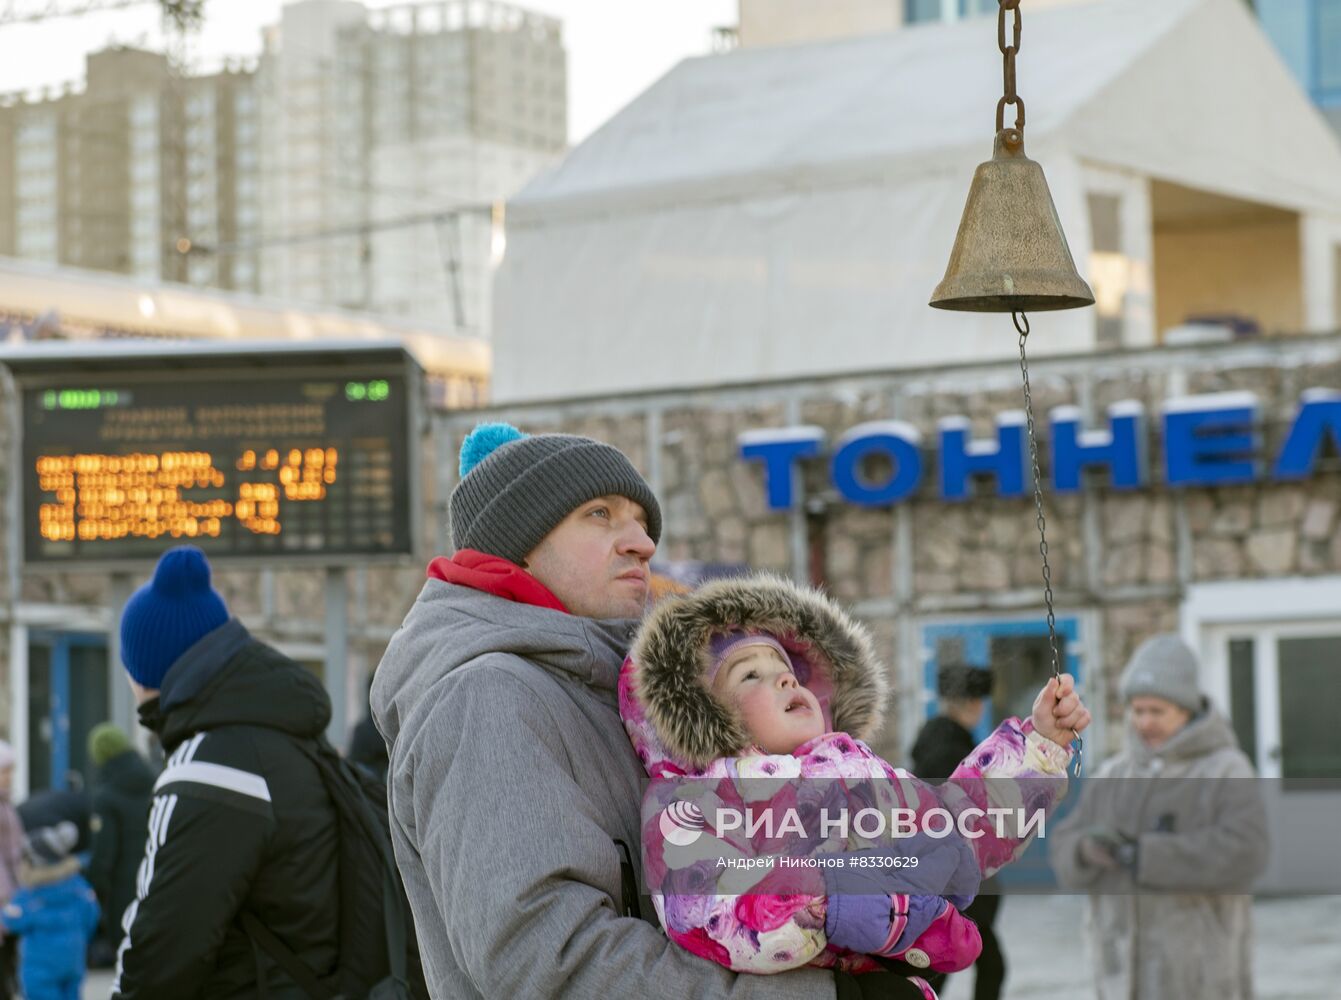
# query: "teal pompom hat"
169 615
515 487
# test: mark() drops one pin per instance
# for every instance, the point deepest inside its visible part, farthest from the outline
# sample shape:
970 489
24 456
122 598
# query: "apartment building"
357 164
389 137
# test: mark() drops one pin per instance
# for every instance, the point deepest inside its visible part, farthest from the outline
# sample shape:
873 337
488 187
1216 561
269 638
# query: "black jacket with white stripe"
240 822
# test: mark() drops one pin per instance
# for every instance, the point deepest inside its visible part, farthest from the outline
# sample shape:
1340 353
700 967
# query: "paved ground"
1298 939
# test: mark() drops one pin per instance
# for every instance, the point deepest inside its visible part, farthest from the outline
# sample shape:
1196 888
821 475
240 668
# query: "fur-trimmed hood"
666 705
35 875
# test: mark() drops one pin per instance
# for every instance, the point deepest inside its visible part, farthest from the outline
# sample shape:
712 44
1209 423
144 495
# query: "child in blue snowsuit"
55 913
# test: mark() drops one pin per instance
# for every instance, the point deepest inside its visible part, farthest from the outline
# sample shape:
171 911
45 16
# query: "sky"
616 48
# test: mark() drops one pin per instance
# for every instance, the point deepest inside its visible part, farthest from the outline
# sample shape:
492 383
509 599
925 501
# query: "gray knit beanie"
516 488
1163 667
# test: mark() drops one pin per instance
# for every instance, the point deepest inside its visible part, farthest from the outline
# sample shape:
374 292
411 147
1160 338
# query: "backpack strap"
296 968
397 938
393 910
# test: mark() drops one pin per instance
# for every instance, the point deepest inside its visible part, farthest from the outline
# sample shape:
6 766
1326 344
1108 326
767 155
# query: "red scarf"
493 575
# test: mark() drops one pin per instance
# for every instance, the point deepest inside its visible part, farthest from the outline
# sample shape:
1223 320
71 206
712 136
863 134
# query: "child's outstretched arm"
1020 770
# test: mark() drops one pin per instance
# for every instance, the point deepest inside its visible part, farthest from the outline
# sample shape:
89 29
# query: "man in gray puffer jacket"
514 791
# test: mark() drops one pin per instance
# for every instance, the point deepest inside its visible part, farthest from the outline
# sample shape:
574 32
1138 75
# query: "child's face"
779 712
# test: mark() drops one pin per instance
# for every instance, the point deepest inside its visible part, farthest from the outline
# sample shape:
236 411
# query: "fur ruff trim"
671 658
32 875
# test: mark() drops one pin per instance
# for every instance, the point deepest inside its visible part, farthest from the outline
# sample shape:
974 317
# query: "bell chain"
1021 322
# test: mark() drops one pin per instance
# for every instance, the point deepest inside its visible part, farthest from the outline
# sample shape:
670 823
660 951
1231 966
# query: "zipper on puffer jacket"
631 904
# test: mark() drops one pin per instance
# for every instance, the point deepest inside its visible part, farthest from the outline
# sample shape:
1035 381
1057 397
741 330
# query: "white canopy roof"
751 207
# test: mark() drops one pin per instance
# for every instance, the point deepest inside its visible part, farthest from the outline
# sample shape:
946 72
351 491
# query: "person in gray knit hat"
565 520
516 488
514 792
1164 667
1167 839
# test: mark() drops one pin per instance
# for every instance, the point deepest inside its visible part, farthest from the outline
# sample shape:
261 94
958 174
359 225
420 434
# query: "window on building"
1279 679
68 693
1243 694
1307 665
1327 48
200 105
1015 649
972 8
1272 655
918 11
1110 270
144 112
143 198
202 272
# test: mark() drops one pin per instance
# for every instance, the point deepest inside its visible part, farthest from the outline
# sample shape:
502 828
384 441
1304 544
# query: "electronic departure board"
265 465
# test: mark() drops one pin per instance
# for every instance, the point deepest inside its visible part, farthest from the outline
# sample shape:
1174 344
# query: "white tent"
785 212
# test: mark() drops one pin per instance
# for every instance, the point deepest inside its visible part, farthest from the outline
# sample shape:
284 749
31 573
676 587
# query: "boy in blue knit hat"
241 823
167 616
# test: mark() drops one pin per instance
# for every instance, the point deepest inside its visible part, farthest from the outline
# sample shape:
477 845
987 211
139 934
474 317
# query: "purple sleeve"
922 912
857 923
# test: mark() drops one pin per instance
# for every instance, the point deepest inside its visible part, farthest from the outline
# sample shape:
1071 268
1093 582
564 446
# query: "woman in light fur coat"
1168 839
698 746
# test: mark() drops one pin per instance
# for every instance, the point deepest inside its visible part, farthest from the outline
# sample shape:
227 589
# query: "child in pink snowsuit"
758 694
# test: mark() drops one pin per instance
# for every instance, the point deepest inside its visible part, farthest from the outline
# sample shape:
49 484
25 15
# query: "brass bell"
1010 254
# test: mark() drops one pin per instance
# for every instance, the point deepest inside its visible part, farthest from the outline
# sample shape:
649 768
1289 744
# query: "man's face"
779 712
596 559
1157 720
